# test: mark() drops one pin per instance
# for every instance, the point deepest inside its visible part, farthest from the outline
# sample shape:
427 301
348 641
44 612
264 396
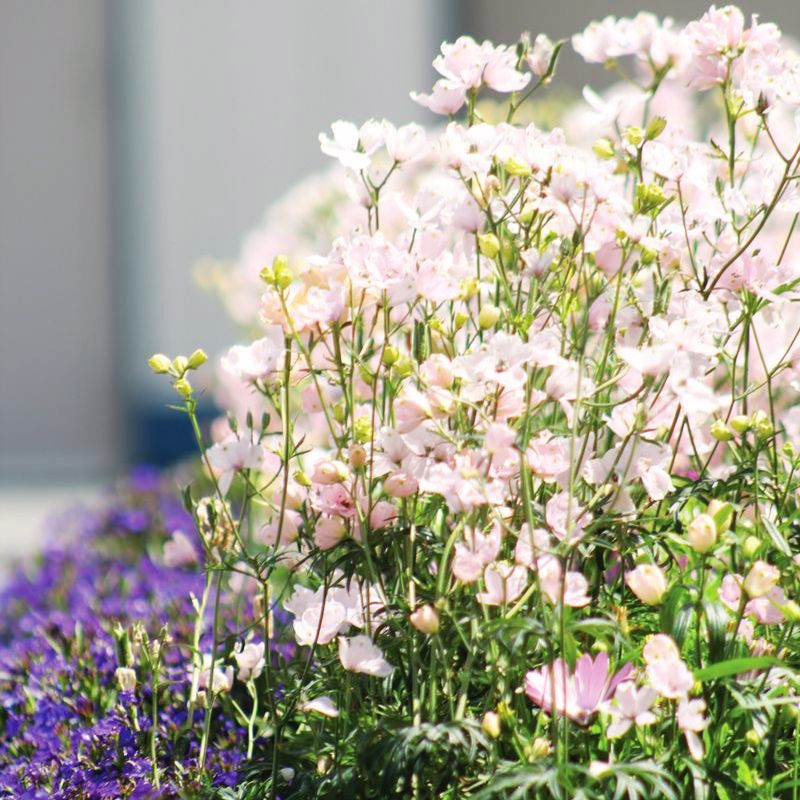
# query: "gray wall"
57 403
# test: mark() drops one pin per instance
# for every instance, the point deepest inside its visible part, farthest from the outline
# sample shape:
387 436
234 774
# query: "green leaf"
777 537
717 618
735 666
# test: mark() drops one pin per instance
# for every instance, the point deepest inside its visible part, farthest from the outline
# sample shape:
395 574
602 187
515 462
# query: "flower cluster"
93 650
514 443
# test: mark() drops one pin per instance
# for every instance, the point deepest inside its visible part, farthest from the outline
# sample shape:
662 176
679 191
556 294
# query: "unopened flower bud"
460 320
750 546
604 148
490 724
390 355
648 583
425 619
197 359
761 578
525 216
540 747
159 363
489 244
180 364
762 425
634 134
126 679
488 316
401 484
183 387
720 431
513 166
722 514
702 533
753 738
357 455
301 478
791 611
655 128
741 423
330 472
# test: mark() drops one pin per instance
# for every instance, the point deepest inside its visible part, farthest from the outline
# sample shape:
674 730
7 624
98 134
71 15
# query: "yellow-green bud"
183 388
280 262
468 288
390 355
604 148
752 737
634 134
489 245
490 724
750 546
339 412
655 128
722 513
762 424
159 363
362 429
488 316
301 478
789 450
180 364
403 367
540 747
526 215
741 423
197 359
460 320
514 166
650 194
720 431
791 611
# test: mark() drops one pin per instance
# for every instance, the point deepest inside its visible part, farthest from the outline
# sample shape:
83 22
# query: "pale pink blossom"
631 706
179 551
249 660
670 677
360 654
504 583
691 721
578 695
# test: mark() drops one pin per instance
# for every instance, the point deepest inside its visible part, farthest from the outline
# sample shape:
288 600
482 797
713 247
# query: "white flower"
250 660
260 360
322 705
228 457
360 654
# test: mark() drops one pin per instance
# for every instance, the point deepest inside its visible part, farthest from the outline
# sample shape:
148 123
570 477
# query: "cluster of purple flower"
70 727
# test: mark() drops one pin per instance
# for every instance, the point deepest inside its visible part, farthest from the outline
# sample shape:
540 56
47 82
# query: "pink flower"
359 654
566 517
577 695
692 722
328 532
179 551
670 677
321 705
504 584
631 707
474 553
259 360
234 455
548 456
345 145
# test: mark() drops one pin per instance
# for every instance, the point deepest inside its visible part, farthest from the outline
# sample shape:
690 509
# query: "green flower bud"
489 245
518 168
722 514
720 431
604 148
654 128
488 316
180 364
750 546
635 135
526 214
197 359
159 363
183 388
762 425
741 423
390 355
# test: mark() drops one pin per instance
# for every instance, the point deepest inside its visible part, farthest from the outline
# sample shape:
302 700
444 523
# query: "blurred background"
138 137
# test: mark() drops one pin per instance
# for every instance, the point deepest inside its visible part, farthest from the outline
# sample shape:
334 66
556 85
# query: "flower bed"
513 447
